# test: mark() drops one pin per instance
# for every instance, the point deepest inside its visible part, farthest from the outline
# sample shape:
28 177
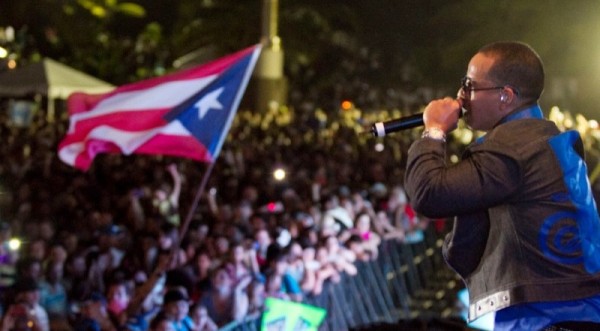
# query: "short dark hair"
516 64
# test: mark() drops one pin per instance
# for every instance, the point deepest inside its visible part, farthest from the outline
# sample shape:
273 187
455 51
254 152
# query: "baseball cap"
175 295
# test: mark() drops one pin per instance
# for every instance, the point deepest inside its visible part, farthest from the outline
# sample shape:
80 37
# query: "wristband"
434 133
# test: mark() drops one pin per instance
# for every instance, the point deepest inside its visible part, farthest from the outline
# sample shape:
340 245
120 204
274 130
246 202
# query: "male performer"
526 238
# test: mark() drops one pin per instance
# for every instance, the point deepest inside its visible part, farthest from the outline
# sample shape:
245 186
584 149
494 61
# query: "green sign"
281 315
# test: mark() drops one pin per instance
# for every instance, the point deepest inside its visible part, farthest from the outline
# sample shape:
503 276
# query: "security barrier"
406 282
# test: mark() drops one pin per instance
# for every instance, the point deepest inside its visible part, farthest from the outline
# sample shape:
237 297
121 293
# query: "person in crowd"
256 296
527 231
239 263
17 318
165 198
274 287
385 227
168 239
221 249
308 233
279 277
118 297
92 314
53 296
390 218
105 256
404 217
368 240
147 299
75 276
310 269
336 220
141 256
262 242
200 268
36 249
25 307
326 267
223 301
295 264
29 267
202 321
356 245
341 257
176 306
161 323
57 254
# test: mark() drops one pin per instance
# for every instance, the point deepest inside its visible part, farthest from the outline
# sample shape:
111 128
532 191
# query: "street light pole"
271 85
270 24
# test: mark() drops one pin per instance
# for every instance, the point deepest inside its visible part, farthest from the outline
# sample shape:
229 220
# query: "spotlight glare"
346 105
14 244
279 174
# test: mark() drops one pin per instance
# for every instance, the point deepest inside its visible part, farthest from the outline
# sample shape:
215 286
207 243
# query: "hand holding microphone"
442 114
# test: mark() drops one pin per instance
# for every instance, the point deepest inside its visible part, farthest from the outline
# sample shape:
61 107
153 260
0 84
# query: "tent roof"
49 78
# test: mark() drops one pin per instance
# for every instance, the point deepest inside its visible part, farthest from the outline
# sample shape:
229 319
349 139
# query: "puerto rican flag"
185 114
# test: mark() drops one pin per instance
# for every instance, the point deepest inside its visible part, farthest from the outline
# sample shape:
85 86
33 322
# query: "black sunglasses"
466 84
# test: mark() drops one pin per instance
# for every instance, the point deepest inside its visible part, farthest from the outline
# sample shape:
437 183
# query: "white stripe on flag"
166 95
127 141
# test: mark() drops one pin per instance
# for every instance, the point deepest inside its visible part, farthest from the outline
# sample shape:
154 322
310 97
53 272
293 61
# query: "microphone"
381 129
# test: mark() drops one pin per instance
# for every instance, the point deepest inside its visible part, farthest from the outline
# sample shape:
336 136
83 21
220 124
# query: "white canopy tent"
51 79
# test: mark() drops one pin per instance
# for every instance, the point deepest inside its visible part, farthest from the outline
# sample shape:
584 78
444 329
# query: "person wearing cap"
26 308
176 306
93 315
105 256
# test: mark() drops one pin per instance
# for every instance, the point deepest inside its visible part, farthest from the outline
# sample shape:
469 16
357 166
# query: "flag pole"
201 188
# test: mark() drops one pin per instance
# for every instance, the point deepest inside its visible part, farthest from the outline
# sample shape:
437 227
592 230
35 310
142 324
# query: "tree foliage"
367 51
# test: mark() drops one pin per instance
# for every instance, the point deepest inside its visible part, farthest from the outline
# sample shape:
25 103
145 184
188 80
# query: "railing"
407 281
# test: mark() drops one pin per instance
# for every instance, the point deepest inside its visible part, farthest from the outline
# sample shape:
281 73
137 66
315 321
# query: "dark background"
366 51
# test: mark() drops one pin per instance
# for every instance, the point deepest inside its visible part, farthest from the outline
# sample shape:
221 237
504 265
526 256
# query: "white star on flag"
208 102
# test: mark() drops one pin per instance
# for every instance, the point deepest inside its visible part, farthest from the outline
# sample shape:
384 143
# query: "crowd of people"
117 247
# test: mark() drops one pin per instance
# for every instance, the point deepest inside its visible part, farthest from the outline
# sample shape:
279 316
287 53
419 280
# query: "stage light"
346 105
14 244
279 174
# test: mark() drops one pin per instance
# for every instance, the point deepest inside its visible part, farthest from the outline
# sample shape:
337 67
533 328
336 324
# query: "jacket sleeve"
487 175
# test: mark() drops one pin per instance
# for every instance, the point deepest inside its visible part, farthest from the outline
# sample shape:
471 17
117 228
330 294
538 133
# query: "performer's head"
501 77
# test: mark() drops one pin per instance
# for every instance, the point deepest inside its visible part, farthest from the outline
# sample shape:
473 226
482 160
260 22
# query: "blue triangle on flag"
209 128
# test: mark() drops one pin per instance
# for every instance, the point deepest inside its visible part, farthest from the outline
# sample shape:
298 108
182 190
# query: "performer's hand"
442 114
